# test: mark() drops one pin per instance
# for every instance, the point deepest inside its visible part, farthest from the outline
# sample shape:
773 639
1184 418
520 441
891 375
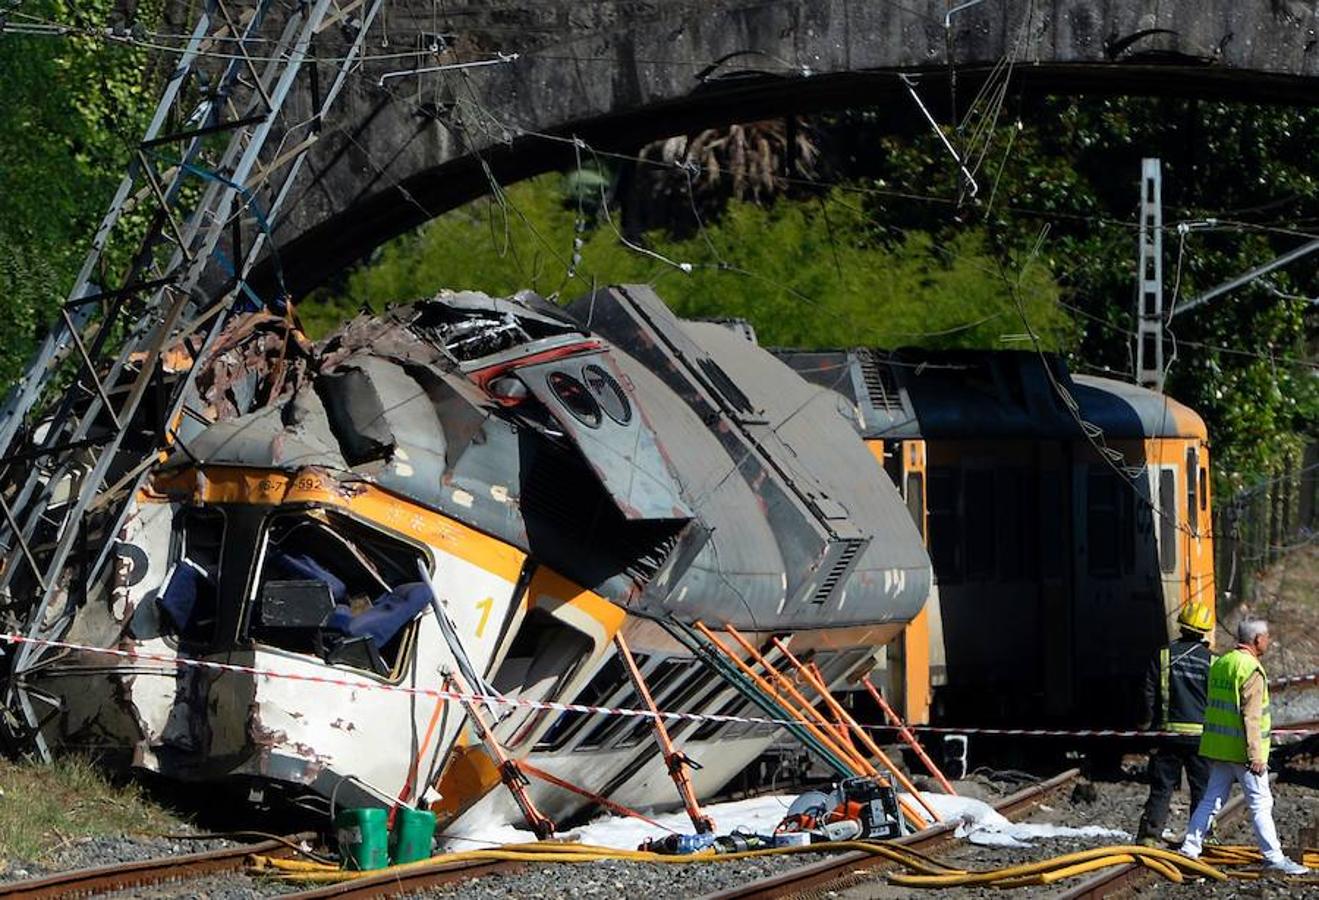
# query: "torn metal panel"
356 414
257 360
263 438
586 397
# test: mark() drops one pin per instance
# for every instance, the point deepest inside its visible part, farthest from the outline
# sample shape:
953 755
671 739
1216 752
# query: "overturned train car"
481 493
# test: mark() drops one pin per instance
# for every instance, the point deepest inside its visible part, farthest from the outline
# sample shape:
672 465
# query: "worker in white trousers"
1236 743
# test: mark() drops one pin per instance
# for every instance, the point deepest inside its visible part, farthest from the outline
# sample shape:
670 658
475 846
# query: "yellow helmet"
1196 616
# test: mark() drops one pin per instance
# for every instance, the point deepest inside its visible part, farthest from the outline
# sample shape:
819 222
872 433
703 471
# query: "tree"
804 274
72 109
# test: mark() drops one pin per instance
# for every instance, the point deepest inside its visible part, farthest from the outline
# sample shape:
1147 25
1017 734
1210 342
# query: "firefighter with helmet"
1176 688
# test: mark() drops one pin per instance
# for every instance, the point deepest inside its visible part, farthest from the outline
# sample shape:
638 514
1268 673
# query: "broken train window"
331 586
189 603
544 657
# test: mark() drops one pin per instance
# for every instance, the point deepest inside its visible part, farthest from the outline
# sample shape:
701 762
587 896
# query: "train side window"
842 666
916 500
733 706
658 683
1167 520
981 535
1204 488
333 587
1103 521
1192 466
711 686
605 730
605 682
944 525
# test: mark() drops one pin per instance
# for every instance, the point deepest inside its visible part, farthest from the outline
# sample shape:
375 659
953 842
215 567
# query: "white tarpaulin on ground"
979 824
982 824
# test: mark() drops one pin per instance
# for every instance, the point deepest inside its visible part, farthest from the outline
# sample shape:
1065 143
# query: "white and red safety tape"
438 693
1307 678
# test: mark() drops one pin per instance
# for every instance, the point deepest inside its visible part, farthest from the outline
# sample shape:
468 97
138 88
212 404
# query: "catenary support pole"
906 734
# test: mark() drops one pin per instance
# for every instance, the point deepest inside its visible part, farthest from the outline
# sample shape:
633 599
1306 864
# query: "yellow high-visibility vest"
1224 728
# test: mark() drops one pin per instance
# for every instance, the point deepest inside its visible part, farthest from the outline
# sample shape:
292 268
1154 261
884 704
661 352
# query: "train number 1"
485 606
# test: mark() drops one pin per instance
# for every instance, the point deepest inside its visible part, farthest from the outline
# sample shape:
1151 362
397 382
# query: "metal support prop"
676 761
906 734
840 727
845 762
1149 278
862 735
804 709
513 777
717 658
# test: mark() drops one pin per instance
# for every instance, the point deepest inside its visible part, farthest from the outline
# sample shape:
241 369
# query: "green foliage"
1072 166
1047 243
804 274
71 110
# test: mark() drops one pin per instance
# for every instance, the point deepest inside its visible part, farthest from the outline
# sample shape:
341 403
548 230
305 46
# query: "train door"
1170 523
1197 540
922 639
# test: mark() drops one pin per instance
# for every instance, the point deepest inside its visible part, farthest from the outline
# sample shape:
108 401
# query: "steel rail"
1121 879
392 882
818 875
101 879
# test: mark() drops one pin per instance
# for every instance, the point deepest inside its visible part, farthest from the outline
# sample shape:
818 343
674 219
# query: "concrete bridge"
407 144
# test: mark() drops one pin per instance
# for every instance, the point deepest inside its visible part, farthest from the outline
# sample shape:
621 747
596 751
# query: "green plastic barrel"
414 830
363 838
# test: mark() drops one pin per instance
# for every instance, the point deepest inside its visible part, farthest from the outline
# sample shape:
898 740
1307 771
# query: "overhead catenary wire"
129 37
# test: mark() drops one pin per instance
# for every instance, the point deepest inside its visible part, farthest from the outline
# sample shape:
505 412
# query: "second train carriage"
1064 538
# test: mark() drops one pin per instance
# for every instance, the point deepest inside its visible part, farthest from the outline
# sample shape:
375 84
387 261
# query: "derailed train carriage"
482 493
1068 521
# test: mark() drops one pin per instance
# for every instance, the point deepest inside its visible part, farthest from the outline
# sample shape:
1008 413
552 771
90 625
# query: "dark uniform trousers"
1165 771
1176 687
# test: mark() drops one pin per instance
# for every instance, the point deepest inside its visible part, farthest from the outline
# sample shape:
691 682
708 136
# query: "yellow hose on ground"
1027 869
1081 868
923 872
1167 870
286 870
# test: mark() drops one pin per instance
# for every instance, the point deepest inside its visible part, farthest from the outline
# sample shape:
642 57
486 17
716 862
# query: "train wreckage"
484 495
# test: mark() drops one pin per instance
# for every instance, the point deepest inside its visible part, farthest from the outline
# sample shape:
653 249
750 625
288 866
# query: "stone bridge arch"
405 146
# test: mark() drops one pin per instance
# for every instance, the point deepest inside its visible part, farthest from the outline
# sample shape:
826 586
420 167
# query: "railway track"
1120 879
817 875
393 882
390 883
120 876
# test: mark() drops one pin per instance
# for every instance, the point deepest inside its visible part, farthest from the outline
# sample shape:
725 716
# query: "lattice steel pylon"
102 398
